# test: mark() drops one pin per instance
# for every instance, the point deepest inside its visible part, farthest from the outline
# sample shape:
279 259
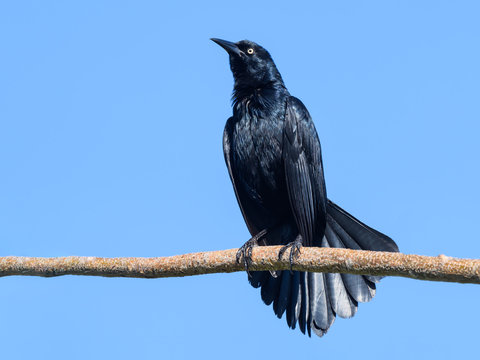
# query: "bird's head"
251 65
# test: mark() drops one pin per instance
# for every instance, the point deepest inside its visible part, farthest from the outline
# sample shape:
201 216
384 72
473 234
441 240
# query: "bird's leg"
295 247
245 251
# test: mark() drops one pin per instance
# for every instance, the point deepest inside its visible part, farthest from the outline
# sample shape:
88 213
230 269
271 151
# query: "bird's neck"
263 94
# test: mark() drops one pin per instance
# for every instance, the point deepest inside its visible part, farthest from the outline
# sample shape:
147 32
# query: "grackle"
274 159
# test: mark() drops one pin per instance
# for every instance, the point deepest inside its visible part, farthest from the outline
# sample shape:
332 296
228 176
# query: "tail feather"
358 286
270 289
322 314
365 236
303 320
258 278
314 299
295 301
343 304
340 296
281 302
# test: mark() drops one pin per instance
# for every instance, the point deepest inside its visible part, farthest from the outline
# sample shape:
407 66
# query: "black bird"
274 159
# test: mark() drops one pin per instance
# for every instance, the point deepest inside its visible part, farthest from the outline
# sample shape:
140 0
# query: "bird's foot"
245 252
295 247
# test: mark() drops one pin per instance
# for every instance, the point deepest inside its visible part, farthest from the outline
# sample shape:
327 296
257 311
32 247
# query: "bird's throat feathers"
259 98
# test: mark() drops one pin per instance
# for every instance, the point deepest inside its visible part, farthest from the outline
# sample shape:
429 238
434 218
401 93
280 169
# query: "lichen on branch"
439 268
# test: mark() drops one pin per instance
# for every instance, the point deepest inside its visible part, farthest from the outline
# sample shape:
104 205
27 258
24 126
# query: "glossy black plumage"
274 159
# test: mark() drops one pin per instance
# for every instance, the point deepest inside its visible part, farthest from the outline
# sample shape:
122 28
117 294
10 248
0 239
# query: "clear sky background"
111 120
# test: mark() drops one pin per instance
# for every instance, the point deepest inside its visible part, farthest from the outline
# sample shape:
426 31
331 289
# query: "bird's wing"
227 152
304 173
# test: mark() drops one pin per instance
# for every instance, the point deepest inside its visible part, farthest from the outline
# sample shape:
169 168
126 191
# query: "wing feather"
227 144
304 173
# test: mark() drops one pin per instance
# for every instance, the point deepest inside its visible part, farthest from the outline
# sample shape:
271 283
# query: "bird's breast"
257 142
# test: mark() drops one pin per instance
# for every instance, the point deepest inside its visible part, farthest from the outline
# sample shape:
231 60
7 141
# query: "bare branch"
440 268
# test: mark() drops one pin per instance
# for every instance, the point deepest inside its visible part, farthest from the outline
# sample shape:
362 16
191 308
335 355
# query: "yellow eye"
250 51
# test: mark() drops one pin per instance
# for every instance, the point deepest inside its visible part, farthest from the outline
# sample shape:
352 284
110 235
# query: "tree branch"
440 268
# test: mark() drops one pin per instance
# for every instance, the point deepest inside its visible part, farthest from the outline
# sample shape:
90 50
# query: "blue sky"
111 118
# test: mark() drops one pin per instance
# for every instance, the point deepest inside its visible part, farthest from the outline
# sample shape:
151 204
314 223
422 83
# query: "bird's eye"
250 51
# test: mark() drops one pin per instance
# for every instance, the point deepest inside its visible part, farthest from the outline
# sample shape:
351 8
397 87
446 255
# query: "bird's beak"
230 47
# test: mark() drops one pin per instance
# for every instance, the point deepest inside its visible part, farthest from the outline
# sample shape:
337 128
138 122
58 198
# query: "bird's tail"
314 299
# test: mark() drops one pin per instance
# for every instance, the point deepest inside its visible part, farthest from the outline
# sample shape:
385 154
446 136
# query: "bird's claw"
245 251
295 247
